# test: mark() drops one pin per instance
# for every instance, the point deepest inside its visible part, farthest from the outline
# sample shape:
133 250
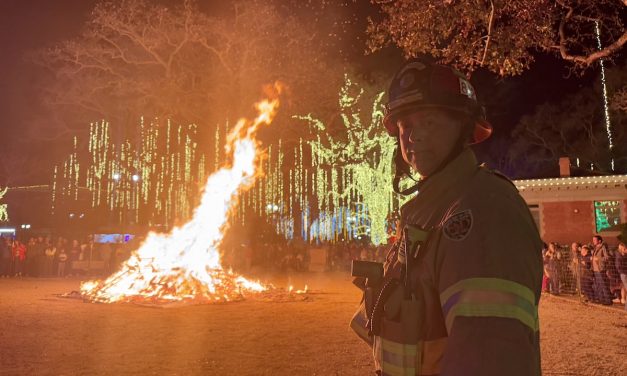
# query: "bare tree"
137 58
501 35
619 99
572 128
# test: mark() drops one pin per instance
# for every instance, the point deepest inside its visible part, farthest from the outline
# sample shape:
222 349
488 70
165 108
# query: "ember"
184 265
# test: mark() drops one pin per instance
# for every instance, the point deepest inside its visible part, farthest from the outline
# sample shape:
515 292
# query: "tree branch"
488 37
584 59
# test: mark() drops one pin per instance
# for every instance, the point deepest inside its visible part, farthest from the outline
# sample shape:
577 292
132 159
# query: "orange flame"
184 265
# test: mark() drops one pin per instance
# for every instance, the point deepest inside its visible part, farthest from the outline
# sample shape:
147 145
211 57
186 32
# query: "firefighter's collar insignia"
458 226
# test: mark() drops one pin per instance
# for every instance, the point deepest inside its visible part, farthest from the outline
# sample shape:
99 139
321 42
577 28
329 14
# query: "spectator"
575 255
105 255
50 251
621 267
363 254
585 273
5 258
545 278
63 257
28 266
75 251
35 257
600 258
551 268
19 257
614 276
61 244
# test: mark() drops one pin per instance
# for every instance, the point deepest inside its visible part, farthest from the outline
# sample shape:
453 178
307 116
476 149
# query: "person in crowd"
73 256
551 268
50 252
105 256
19 257
566 280
363 253
575 254
621 267
63 258
5 258
35 257
60 244
600 259
118 257
585 273
9 242
545 278
28 266
613 275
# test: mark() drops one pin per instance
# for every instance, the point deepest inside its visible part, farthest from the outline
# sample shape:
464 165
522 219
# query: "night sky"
26 25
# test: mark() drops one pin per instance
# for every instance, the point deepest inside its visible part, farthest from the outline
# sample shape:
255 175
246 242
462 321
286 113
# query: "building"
569 209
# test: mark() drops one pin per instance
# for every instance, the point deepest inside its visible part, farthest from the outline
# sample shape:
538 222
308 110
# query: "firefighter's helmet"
419 84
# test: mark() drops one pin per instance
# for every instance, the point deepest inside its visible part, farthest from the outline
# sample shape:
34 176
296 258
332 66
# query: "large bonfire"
184 265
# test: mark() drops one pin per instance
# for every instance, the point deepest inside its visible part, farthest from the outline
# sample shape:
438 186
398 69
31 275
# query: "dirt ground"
41 334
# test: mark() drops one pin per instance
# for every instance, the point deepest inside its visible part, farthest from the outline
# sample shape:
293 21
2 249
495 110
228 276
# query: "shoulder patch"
458 226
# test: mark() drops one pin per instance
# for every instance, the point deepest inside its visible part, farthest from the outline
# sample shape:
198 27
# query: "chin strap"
397 180
401 169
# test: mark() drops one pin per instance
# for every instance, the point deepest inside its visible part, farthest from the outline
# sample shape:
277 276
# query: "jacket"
469 293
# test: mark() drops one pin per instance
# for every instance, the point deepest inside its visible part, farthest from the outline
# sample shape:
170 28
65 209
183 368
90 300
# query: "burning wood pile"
184 265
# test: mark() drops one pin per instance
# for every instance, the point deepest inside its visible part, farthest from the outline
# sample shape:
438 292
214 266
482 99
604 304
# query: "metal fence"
569 272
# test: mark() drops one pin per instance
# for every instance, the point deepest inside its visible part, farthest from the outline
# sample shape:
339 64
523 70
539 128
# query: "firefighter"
460 288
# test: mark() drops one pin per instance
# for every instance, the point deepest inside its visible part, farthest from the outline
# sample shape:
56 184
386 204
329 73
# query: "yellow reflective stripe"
404 359
491 310
392 370
491 284
398 359
398 348
490 297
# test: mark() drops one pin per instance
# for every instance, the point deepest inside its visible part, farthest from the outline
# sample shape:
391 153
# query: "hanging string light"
606 108
333 188
128 180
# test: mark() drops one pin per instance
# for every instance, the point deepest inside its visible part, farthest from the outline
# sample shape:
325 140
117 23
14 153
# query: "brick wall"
566 222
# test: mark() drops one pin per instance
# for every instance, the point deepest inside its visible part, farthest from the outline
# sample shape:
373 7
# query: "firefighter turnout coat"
461 286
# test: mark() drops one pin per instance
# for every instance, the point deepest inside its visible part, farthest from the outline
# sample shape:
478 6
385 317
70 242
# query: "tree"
136 58
619 99
572 128
4 214
353 166
501 35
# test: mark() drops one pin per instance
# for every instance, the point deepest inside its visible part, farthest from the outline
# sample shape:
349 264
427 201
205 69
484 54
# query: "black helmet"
420 84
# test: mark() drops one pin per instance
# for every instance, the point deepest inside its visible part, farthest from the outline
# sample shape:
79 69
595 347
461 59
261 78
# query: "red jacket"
19 251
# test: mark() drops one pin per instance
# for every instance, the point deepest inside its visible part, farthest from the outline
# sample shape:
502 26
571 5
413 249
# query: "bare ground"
41 334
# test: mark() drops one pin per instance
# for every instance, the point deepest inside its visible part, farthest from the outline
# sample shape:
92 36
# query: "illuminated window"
606 214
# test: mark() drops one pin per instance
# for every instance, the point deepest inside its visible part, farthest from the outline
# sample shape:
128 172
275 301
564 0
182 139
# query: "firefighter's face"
427 136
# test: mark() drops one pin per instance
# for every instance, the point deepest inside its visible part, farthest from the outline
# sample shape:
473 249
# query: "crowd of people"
595 271
340 255
61 257
279 256
45 256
